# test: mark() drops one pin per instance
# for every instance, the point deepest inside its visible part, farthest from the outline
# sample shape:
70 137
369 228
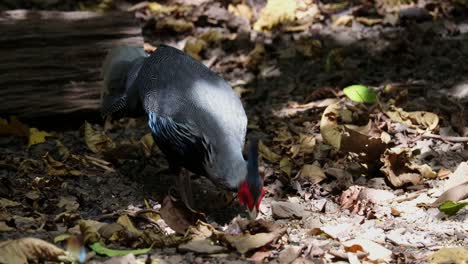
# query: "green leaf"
100 249
360 93
451 208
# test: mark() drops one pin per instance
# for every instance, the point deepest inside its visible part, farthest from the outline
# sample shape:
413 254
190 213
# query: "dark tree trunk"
50 61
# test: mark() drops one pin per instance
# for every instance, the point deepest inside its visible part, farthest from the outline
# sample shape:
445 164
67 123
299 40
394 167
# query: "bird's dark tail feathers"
119 71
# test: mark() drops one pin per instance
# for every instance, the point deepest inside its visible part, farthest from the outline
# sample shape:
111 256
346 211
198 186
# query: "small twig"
446 138
408 196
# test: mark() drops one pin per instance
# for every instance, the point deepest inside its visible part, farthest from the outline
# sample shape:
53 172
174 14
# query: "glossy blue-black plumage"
195 117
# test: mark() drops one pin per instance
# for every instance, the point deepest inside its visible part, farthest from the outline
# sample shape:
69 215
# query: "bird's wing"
180 142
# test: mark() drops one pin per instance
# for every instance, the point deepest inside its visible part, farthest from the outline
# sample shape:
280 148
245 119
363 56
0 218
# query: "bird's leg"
185 188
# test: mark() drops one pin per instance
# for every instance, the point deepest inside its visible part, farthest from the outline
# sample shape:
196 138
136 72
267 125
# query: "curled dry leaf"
369 149
360 199
459 176
397 167
177 218
453 194
375 251
95 140
202 239
329 128
28 249
417 119
89 231
261 233
127 223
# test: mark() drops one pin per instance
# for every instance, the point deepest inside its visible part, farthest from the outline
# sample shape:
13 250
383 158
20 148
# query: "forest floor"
361 183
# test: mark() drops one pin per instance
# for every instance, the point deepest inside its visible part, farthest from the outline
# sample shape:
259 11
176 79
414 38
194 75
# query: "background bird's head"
251 190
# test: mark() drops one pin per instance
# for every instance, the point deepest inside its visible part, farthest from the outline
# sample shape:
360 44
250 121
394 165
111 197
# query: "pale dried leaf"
453 194
313 173
286 210
24 250
449 255
417 119
275 13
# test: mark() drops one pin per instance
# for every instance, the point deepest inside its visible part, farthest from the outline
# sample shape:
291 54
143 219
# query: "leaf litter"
353 174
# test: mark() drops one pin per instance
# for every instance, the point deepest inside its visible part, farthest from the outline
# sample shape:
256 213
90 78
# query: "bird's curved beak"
252 213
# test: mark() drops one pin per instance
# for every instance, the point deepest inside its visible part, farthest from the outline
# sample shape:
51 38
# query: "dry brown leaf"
375 251
312 173
28 249
369 149
179 219
88 229
111 232
95 140
397 167
360 200
329 128
266 153
418 119
275 13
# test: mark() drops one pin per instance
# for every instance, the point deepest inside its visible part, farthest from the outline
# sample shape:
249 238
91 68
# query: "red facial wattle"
245 197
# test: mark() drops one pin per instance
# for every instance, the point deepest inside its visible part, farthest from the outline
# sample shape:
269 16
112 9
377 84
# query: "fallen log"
50 61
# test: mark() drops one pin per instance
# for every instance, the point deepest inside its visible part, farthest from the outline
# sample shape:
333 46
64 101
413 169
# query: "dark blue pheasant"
196 119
